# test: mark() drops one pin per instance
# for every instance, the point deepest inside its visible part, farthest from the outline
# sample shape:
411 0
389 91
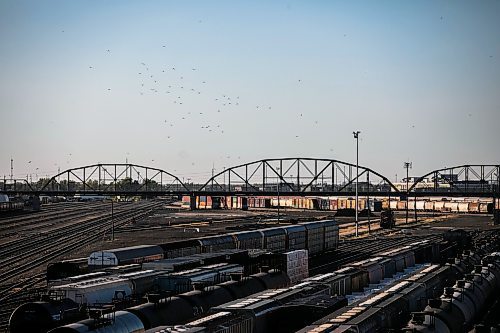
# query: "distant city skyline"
187 86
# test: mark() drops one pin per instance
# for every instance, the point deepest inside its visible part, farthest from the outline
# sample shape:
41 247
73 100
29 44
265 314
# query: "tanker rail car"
390 307
166 310
460 305
295 307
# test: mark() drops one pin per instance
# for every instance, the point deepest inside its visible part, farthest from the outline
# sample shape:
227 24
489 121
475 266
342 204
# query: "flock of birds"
182 87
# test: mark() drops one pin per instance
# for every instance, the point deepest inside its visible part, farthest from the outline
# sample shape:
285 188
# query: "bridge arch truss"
463 180
297 176
113 179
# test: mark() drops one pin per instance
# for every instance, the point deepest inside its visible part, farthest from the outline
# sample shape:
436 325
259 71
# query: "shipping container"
342 203
385 204
377 206
186 202
463 207
421 205
473 207
393 204
483 207
439 206
429 205
333 204
351 203
451 206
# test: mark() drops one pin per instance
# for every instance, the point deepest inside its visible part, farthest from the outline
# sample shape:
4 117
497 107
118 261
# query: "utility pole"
368 202
112 221
356 136
126 168
278 189
11 168
213 171
407 166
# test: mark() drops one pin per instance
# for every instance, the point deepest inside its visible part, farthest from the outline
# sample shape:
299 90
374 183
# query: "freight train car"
66 268
459 305
317 237
125 255
173 310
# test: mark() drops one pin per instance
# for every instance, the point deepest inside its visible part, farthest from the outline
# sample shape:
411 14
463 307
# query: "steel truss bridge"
268 177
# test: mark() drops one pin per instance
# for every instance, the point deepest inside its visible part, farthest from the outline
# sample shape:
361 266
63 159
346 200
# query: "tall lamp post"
112 221
356 136
278 189
407 166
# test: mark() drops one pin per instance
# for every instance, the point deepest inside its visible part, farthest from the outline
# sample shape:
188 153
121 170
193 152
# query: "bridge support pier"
496 210
192 202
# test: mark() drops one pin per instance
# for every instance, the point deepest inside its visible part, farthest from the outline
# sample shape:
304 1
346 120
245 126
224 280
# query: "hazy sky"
83 82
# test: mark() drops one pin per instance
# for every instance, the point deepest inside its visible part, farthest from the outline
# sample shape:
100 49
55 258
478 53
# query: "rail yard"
106 266
249 167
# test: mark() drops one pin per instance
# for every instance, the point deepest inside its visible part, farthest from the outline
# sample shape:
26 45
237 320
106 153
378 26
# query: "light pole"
356 136
407 166
278 189
112 220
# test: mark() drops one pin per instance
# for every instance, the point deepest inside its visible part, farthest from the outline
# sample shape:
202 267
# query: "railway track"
28 256
360 249
12 224
77 235
35 233
26 292
47 209
12 294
